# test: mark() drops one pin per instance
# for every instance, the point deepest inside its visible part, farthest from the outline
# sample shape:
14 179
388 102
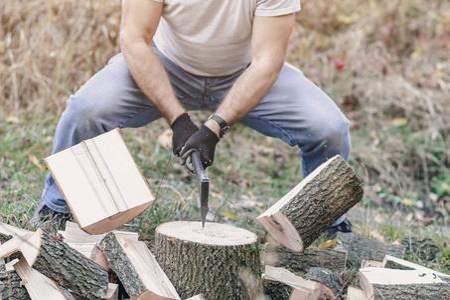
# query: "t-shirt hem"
276 12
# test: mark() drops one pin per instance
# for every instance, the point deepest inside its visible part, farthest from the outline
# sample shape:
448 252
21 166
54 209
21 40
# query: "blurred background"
386 63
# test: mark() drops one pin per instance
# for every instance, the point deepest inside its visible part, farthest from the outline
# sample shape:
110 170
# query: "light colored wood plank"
411 265
12 230
137 268
381 283
354 293
113 292
39 287
101 182
305 288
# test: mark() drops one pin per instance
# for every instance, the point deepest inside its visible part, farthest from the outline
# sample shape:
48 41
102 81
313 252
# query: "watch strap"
224 127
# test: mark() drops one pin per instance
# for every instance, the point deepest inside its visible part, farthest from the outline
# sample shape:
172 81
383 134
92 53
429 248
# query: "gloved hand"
204 141
183 128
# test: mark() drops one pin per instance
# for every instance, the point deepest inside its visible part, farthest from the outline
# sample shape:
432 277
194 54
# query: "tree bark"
328 278
360 248
300 263
304 213
11 287
52 257
412 291
219 261
277 290
141 278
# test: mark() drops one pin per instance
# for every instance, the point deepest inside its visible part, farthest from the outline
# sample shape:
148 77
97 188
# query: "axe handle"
198 166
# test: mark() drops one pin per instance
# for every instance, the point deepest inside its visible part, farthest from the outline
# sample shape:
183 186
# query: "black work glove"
182 128
204 141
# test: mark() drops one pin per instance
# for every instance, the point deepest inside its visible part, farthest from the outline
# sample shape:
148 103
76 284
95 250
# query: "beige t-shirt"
212 37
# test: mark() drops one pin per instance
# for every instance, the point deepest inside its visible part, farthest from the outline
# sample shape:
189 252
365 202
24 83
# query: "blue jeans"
295 111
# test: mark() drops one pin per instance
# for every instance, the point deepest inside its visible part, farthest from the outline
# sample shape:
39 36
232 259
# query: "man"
226 56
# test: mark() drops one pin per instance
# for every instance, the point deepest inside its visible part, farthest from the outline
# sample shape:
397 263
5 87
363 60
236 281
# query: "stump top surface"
215 234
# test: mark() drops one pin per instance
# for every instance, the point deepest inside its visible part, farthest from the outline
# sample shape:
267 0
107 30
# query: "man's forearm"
151 77
248 90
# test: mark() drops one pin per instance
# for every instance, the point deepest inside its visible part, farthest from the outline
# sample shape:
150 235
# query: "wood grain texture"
38 286
380 283
304 213
101 182
280 283
11 287
217 270
328 278
136 268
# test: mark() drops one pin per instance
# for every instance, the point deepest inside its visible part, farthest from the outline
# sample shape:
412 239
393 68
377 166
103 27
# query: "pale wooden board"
99 178
354 293
74 234
284 276
39 287
127 177
12 230
398 277
413 266
145 264
78 186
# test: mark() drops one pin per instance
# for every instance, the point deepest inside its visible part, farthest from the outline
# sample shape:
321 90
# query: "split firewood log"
304 213
392 262
11 287
380 283
50 256
371 264
361 248
38 286
102 172
327 278
219 261
281 284
299 263
87 244
137 268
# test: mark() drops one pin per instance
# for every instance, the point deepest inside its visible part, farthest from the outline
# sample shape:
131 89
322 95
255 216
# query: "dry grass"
385 62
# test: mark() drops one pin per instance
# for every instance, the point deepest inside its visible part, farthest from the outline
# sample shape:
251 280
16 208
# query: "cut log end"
219 261
115 221
213 234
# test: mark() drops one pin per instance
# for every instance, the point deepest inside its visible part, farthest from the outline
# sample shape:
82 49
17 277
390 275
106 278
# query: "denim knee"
86 113
334 134
330 134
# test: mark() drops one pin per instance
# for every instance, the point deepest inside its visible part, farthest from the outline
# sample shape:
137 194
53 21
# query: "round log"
306 211
219 261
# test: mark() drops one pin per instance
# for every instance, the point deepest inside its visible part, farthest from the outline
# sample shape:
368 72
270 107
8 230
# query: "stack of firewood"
221 261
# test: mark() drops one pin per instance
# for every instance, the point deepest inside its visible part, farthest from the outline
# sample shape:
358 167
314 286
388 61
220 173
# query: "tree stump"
219 261
53 258
304 213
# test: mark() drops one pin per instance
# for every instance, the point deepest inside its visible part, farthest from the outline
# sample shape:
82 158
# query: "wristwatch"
224 127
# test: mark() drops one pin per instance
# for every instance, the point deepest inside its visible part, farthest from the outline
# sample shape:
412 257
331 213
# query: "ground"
384 62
